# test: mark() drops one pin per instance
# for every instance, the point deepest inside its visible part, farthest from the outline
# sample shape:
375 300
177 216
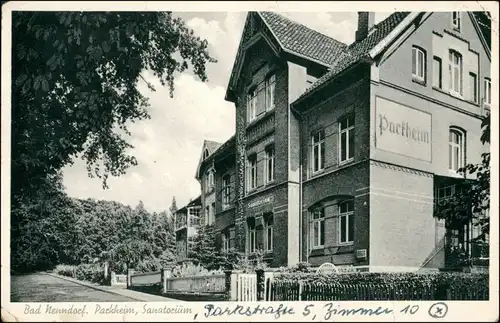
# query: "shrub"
65 270
439 282
90 272
190 269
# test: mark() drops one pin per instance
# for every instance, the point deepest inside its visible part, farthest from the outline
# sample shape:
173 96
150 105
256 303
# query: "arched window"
205 154
418 63
456 69
456 147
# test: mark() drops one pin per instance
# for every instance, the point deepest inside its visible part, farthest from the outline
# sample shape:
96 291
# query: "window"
472 87
455 69
261 98
212 220
252 105
318 151
269 164
252 172
252 237
269 233
226 190
448 190
270 86
487 91
226 241
418 63
455 150
346 138
205 154
210 180
318 228
456 20
346 211
437 73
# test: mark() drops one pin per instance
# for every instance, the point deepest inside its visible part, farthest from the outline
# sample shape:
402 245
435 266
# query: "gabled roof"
299 39
195 202
359 49
293 38
211 146
383 34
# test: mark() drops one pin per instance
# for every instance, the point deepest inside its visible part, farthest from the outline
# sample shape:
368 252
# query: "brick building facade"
340 150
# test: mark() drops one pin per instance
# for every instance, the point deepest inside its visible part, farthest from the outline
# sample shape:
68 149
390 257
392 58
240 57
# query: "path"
42 287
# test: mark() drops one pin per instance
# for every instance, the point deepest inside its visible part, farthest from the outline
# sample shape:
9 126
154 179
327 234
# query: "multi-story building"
187 221
341 150
205 174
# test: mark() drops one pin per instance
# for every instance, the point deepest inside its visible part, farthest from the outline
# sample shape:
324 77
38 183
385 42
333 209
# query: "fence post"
231 285
106 268
165 275
300 291
130 272
113 279
260 284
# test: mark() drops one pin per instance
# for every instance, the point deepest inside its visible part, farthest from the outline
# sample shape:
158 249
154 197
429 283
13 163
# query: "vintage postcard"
249 161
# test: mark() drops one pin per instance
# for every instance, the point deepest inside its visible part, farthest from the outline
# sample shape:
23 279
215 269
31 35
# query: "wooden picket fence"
301 291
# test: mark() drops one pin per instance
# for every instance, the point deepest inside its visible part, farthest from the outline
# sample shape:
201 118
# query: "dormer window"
456 20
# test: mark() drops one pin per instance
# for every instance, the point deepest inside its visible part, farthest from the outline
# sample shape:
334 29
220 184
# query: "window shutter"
260 172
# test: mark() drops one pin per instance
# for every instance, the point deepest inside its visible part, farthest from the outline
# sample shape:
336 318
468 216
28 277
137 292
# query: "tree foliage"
471 203
75 86
58 229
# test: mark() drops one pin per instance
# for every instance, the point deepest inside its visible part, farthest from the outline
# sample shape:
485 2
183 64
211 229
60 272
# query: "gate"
246 287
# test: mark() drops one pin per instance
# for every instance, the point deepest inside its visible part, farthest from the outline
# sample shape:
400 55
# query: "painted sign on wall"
260 202
402 130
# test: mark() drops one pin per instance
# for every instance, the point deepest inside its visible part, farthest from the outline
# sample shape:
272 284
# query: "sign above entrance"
403 130
260 202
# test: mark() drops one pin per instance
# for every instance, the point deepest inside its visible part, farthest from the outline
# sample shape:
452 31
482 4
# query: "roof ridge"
300 24
374 28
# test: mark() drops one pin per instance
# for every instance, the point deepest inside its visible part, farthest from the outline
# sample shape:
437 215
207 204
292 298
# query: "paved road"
45 288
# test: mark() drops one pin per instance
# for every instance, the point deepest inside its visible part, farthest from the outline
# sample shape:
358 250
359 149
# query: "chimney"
366 21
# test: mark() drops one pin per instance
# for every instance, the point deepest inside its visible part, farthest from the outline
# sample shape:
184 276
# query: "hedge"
86 272
439 281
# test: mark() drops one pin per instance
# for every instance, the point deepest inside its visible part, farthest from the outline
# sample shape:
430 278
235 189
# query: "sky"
168 146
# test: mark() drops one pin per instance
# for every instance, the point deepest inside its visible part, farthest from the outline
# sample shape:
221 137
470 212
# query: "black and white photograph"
190 157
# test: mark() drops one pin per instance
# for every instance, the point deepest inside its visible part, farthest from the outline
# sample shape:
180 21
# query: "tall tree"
74 86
